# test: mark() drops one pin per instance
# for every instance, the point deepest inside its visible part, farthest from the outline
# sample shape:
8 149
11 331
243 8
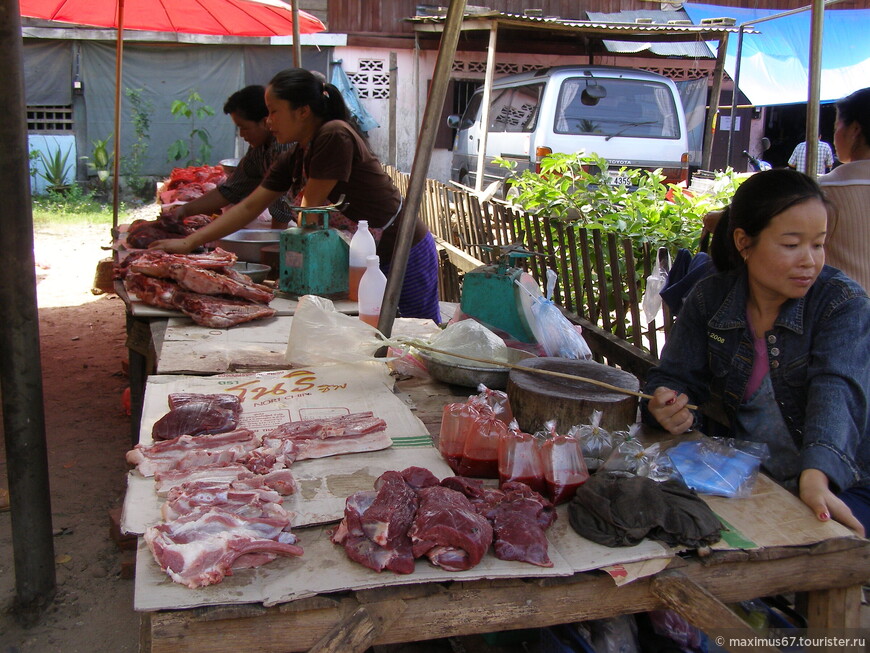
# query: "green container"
490 294
313 261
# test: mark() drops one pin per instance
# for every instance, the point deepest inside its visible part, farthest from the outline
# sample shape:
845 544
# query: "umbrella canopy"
217 17
214 17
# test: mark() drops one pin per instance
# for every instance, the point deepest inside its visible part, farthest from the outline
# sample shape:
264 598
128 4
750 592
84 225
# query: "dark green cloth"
620 511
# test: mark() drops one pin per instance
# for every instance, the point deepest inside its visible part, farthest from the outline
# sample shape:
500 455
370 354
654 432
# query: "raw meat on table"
204 546
188 451
448 530
233 497
194 418
220 313
319 438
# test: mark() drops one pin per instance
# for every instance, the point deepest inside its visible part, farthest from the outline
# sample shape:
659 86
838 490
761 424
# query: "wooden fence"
601 279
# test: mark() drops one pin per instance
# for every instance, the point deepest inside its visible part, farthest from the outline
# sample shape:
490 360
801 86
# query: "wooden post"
394 91
484 113
713 108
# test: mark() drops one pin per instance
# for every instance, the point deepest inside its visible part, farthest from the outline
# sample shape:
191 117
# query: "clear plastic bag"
496 400
468 338
519 459
554 331
655 282
597 443
320 334
719 466
630 458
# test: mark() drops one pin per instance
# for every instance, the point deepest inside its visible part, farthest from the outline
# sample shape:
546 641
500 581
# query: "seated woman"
776 342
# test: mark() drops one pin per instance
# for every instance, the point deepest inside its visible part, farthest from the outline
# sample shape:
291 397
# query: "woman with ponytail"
336 162
775 345
333 161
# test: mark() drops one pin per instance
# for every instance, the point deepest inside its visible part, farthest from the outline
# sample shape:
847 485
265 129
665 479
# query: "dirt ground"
83 354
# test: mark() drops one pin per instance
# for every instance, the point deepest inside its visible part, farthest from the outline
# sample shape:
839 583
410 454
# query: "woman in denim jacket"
777 346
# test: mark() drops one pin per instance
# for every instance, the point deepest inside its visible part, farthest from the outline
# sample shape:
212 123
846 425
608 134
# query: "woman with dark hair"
775 345
334 161
247 109
848 189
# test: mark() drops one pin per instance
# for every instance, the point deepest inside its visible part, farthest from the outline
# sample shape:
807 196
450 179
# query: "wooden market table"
830 569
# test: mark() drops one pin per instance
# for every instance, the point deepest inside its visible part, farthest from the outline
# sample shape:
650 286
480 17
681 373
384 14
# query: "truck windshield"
631 108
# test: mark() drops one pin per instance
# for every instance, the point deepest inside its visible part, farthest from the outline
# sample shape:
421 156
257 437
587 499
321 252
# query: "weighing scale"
501 295
313 258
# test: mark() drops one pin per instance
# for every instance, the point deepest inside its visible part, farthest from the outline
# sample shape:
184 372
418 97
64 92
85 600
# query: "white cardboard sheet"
273 398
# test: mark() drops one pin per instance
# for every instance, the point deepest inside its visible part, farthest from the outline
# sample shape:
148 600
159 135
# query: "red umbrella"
220 17
216 17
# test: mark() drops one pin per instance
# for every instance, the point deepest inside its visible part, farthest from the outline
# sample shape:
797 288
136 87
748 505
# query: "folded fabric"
620 511
710 468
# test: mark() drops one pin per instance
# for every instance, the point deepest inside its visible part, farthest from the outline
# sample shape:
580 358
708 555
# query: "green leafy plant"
197 148
55 168
101 159
132 164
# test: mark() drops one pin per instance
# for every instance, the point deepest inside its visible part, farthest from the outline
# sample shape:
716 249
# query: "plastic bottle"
362 245
371 291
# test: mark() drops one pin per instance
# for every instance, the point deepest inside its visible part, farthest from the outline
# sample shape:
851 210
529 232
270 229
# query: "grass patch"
73 206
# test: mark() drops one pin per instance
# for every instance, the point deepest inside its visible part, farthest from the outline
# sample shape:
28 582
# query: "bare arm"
316 192
207 204
815 492
230 222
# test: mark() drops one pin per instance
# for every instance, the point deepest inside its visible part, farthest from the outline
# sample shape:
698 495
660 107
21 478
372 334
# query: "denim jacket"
819 355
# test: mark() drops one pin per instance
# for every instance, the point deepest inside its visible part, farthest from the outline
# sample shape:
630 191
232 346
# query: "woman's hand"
172 246
815 492
669 409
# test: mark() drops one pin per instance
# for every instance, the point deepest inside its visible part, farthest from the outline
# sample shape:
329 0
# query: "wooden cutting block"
537 398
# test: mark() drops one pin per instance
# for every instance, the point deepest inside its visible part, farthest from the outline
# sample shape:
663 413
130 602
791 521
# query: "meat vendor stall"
313 596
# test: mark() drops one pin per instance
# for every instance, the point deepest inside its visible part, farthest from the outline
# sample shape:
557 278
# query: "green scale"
313 259
500 295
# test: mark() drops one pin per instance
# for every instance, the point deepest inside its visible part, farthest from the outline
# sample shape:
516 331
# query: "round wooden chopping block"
538 398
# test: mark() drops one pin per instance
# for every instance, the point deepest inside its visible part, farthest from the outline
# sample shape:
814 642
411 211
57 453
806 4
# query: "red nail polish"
824 516
671 401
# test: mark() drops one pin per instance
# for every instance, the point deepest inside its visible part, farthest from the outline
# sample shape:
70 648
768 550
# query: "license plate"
617 179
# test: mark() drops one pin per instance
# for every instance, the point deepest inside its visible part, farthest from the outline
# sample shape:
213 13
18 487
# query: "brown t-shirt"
338 152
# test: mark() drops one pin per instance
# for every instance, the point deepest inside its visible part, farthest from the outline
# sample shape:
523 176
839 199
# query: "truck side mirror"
453 121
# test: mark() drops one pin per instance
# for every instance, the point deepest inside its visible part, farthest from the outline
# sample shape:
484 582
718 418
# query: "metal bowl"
247 243
257 271
229 165
469 373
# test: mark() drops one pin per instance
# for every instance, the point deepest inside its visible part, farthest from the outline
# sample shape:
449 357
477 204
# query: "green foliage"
576 189
101 159
56 168
131 165
76 205
33 169
197 148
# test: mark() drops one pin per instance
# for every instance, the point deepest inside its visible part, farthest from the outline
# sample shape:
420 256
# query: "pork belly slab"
188 451
204 546
319 438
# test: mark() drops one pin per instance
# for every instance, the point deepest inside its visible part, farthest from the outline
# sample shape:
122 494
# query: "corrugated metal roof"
685 49
655 32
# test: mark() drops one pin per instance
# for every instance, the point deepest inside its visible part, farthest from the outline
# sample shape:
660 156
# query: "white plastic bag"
553 331
320 334
655 282
469 338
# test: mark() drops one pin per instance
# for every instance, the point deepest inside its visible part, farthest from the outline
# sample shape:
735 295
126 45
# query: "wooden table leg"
834 609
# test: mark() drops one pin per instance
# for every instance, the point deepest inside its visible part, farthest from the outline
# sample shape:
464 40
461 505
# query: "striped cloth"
824 158
419 297
847 245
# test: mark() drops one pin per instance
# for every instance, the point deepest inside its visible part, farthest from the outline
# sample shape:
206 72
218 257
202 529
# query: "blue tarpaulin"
774 67
348 92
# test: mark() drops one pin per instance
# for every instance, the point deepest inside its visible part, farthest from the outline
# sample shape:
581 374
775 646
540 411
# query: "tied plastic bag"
553 331
597 443
468 338
719 466
655 282
320 334
630 458
496 400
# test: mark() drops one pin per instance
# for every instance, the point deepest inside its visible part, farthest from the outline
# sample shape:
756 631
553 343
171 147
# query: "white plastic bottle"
371 291
362 245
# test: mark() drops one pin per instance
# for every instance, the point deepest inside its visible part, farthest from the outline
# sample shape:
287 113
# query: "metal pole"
392 158
116 163
712 110
734 94
484 116
420 167
814 91
297 46
20 370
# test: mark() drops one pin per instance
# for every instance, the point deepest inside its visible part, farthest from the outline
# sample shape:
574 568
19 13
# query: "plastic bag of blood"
564 467
519 459
456 422
480 455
